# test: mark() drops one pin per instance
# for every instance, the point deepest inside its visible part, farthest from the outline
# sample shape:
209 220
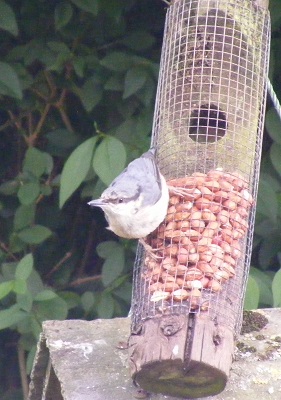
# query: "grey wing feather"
141 176
146 171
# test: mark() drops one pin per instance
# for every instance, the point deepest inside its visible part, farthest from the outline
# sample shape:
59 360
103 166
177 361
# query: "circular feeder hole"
207 124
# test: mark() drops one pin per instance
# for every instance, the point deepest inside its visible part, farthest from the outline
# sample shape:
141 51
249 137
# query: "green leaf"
20 286
46 294
46 190
135 78
109 159
37 162
147 93
252 294
273 125
276 291
117 61
24 267
105 306
113 8
88 300
104 248
139 40
72 299
11 316
6 288
90 6
25 301
9 81
274 6
15 244
36 234
9 270
114 264
7 18
275 156
60 142
35 325
51 309
59 47
124 292
79 66
91 93
34 283
63 14
10 187
28 192
114 83
264 281
267 200
269 247
24 216
76 168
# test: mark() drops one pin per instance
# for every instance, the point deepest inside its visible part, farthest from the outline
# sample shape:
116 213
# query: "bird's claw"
149 250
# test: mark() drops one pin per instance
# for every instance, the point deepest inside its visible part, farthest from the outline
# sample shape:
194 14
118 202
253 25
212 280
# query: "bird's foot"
182 192
149 250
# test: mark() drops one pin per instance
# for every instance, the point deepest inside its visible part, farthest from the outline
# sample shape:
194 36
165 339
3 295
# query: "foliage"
266 258
77 89
265 278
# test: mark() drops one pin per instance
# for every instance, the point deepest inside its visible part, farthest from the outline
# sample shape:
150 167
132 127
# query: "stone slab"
85 362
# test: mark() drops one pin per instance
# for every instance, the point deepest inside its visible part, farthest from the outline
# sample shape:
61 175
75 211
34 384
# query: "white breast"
132 221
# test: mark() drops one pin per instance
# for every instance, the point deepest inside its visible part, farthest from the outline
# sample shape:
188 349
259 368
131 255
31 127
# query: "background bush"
77 89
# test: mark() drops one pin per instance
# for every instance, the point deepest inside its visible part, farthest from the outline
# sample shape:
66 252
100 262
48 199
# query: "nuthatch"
136 202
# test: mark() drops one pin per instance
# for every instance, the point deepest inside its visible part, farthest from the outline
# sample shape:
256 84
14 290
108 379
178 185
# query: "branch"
59 264
16 120
51 84
60 106
82 281
23 374
88 249
7 251
66 120
31 139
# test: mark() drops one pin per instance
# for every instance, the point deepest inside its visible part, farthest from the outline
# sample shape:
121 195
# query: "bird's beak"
97 203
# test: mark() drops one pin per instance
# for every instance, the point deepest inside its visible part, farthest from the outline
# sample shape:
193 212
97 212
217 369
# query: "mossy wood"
182 356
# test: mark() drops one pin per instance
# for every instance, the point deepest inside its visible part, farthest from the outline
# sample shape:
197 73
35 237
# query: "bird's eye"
120 200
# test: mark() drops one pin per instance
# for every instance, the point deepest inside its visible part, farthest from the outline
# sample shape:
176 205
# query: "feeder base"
172 378
181 355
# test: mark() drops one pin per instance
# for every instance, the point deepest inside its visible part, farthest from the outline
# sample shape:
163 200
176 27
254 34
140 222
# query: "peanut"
159 295
193 274
206 268
208 215
199 243
180 294
171 250
170 286
184 206
182 255
214 285
213 185
207 193
202 203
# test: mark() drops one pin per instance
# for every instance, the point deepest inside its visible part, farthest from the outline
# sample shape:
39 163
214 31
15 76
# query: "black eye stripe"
119 200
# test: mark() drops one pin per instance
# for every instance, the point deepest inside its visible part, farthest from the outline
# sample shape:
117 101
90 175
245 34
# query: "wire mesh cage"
208 126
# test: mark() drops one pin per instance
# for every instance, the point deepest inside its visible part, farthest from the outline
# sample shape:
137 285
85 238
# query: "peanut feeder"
209 115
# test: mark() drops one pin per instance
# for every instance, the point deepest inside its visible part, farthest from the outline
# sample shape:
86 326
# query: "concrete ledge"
80 360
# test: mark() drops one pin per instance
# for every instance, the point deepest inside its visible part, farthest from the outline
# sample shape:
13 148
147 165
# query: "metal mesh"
208 126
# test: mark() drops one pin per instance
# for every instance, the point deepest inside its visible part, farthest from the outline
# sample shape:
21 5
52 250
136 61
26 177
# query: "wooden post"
183 356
